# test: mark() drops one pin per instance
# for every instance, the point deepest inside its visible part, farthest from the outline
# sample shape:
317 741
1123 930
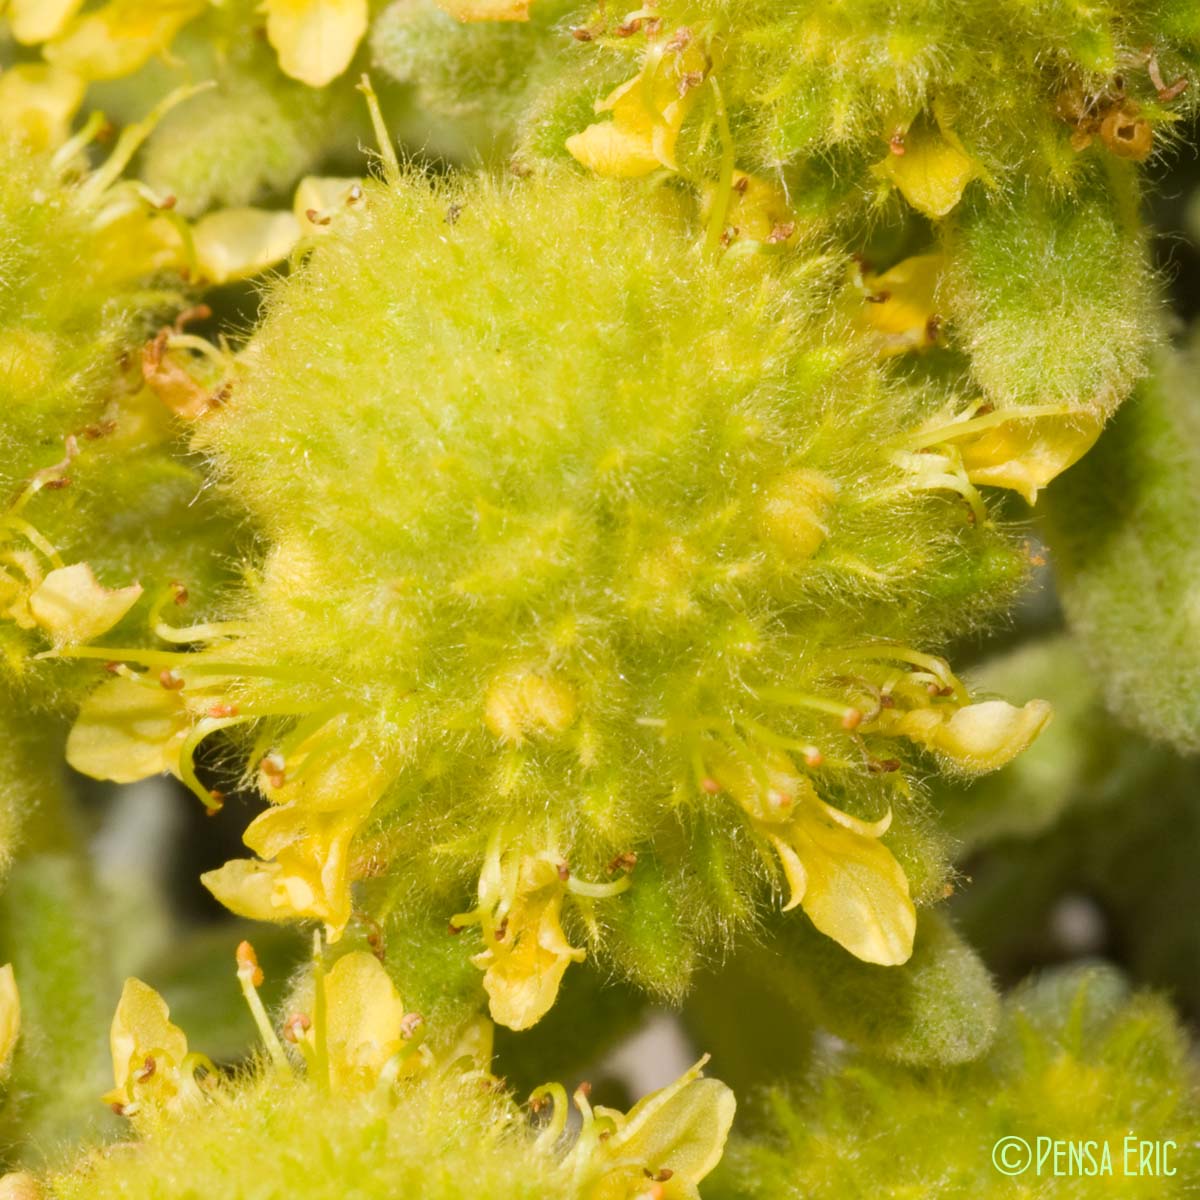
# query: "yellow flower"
72 606
321 793
929 166
10 1017
1025 453
37 102
758 211
526 952
315 39
235 243
663 1147
487 10
318 199
33 21
365 1025
120 37
974 737
307 872
848 883
896 310
648 112
148 1052
126 731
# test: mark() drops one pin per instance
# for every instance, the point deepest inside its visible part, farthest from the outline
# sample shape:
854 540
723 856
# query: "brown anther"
728 236
813 757
146 1069
222 710
741 184
198 312
883 766
947 891
99 430
629 28
625 861
933 326
454 930
409 1024
113 668
167 203
582 35
1165 93
781 233
218 802
355 194
688 81
663 1175
851 718
680 39
501 930
453 213
218 397
652 26
295 1027
710 786
564 871
171 680
887 700
877 297
313 215
945 690
53 485
118 1108
247 962
896 145
584 1089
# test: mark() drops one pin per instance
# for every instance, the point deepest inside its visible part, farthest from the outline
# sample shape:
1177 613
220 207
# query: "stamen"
250 976
387 150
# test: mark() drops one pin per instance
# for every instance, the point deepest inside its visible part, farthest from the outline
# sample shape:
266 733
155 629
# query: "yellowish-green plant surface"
521 523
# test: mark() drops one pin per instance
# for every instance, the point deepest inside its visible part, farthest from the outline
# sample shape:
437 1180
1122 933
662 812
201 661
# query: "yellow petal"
33 21
310 877
475 1042
37 102
236 243
126 731
318 199
1026 453
364 1018
525 966
147 1050
932 172
332 770
897 310
758 210
10 1017
251 889
648 112
315 39
120 37
978 737
850 885
72 606
681 1128
487 10
614 151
